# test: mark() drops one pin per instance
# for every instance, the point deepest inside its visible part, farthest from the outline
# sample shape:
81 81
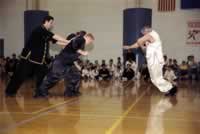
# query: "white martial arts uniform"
118 73
85 73
155 62
93 74
170 75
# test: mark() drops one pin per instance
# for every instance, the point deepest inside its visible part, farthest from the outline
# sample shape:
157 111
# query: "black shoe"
172 92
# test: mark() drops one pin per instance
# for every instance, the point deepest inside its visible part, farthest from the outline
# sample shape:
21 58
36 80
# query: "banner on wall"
193 32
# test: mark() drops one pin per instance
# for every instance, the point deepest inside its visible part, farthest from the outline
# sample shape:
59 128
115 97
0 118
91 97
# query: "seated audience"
104 73
128 73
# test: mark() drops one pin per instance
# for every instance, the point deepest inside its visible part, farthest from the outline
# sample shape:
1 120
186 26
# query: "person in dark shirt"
81 33
104 73
64 67
128 73
34 56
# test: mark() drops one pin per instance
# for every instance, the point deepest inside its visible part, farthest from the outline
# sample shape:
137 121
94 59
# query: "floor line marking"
117 122
53 106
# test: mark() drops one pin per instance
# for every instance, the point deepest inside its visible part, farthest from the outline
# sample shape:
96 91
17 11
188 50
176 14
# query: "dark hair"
103 65
47 18
70 36
147 26
81 33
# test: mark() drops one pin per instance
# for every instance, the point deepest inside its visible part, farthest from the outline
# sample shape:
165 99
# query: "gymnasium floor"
104 108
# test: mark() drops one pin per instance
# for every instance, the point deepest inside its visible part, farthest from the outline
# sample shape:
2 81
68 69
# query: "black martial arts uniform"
63 67
33 60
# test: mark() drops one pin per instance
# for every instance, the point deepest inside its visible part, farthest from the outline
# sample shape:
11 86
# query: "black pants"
58 71
23 71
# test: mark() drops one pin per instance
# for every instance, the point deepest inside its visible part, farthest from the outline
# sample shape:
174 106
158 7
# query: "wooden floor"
104 108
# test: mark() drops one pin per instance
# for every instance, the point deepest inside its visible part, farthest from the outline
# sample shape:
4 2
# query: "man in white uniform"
155 61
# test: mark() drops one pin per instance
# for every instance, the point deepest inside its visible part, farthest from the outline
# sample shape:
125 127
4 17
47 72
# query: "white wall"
1 22
13 25
172 27
103 18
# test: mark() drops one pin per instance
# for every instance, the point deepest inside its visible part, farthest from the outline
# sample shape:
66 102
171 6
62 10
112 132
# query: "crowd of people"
109 70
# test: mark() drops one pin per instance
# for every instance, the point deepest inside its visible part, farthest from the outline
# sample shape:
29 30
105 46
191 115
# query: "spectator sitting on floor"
183 70
193 69
85 73
118 73
104 73
93 73
119 62
170 75
111 67
128 73
175 67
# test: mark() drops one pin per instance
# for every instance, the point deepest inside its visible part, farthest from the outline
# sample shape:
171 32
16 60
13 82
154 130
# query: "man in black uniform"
64 67
34 55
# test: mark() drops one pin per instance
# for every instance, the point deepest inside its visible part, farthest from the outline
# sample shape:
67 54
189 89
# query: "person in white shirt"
93 73
170 75
96 64
85 73
111 67
155 61
118 73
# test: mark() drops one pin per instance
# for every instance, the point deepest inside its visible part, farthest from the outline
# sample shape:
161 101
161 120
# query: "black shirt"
37 47
69 54
128 73
104 73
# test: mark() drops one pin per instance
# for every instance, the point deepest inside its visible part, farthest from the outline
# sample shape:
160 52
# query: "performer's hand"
85 53
126 47
147 43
